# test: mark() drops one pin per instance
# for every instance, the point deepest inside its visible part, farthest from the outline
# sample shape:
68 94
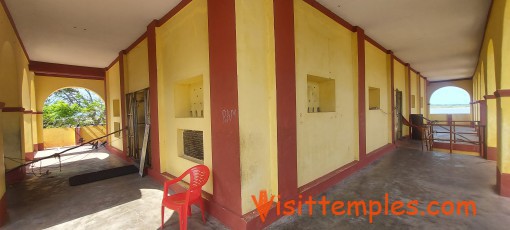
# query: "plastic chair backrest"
198 177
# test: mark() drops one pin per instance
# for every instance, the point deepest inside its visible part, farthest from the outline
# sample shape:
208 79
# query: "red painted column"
483 123
361 94
3 210
155 168
226 163
285 65
409 97
449 119
483 112
392 76
77 135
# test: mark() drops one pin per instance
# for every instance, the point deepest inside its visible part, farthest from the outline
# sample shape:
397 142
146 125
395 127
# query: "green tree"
71 107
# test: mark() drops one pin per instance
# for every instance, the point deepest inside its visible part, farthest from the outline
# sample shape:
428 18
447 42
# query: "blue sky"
450 96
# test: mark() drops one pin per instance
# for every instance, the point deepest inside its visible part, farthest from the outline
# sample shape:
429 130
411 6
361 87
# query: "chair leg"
183 219
202 209
162 216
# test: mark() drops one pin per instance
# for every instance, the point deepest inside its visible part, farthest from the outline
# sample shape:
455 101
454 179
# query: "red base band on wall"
3 210
29 156
117 152
503 183
40 146
492 153
15 176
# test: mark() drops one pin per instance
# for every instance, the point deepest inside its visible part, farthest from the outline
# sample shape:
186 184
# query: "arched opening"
450 100
72 116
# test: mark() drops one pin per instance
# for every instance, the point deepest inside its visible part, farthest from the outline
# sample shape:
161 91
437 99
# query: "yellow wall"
58 137
113 91
33 107
2 164
423 98
137 68
414 92
378 122
400 83
326 140
15 92
503 82
257 99
89 133
27 103
493 73
183 54
492 122
504 134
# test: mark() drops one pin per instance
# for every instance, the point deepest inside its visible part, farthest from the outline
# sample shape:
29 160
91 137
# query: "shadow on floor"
194 221
127 202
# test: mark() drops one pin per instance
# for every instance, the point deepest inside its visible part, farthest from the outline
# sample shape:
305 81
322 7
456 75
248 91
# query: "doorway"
138 118
398 114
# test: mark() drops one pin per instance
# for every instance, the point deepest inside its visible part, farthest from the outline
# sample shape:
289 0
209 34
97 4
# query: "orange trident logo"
263 205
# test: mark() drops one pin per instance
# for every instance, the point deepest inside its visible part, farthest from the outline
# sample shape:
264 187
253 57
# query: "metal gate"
138 116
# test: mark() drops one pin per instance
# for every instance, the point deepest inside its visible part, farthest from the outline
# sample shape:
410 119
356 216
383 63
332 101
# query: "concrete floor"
127 202
131 202
409 174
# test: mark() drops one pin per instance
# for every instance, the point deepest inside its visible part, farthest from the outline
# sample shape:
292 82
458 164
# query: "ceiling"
83 32
440 39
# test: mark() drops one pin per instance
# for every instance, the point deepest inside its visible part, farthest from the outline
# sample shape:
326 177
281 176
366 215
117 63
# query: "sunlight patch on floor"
78 154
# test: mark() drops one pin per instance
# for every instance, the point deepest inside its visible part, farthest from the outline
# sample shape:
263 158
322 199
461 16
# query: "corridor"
409 174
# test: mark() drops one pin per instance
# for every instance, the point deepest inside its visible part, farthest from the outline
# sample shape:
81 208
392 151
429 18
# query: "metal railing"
433 129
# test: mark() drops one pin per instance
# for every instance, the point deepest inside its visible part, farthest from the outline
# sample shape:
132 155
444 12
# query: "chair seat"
174 201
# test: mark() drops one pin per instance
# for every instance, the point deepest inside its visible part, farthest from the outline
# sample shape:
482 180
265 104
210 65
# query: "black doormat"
102 175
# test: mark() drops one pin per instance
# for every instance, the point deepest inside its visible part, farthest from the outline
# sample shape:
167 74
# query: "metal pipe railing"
58 154
454 133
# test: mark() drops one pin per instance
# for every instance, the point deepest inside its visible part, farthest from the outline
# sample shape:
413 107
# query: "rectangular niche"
413 101
374 98
116 127
189 98
116 108
191 145
321 94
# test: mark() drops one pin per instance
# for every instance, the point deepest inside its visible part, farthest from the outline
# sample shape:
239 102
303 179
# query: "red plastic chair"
181 202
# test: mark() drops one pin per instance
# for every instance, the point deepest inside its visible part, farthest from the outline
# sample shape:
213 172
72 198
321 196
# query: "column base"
492 153
40 146
503 183
29 156
15 176
3 210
